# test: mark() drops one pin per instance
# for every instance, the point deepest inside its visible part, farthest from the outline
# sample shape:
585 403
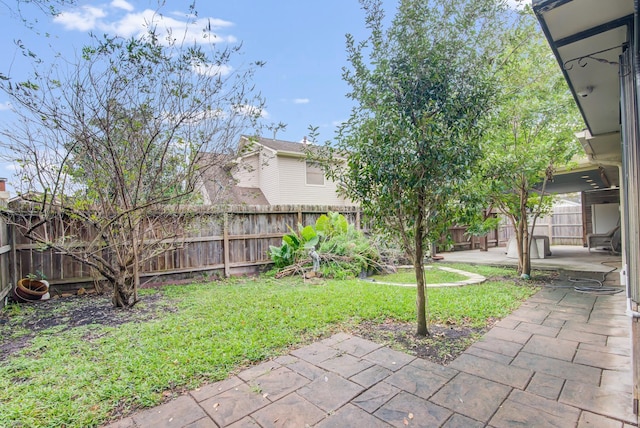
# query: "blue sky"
302 43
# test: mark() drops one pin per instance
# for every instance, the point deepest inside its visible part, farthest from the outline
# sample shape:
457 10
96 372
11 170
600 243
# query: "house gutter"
634 46
540 7
291 154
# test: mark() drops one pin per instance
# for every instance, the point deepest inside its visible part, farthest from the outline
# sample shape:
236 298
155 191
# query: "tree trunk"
123 291
526 253
418 264
519 246
136 261
522 236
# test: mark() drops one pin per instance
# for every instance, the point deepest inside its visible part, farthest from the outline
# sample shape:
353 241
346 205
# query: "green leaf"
341 224
308 233
322 223
291 240
311 243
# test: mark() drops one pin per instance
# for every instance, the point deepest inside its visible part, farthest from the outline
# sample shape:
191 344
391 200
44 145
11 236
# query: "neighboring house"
219 187
271 172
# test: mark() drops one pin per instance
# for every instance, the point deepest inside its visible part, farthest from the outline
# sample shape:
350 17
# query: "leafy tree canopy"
531 134
422 88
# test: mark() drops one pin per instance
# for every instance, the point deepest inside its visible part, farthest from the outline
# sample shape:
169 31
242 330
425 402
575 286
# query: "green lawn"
408 276
79 376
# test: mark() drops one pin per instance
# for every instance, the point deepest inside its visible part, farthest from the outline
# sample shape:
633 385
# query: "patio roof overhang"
587 38
582 176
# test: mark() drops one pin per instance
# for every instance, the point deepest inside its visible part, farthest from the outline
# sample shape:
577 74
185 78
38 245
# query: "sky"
301 42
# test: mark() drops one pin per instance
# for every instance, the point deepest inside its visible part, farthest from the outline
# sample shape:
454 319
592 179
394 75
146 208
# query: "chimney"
4 194
304 140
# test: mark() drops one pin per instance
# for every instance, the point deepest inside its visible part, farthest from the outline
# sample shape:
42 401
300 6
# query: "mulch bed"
443 345
70 312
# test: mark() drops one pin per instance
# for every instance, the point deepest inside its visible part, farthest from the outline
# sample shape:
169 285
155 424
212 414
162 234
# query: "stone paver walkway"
561 360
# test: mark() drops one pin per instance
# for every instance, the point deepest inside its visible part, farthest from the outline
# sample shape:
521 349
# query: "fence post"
14 256
484 242
225 244
6 284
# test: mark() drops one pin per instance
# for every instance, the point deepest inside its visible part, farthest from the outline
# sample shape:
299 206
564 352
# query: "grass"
408 276
86 375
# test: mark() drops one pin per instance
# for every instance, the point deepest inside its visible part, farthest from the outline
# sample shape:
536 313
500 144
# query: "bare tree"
112 147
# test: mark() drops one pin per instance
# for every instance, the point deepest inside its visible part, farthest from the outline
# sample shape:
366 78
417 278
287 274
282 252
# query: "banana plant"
294 246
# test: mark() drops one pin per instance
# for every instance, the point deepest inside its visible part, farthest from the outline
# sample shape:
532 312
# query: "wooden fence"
233 242
217 243
5 250
461 240
563 227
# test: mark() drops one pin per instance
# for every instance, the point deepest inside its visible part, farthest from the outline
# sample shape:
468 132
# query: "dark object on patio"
604 240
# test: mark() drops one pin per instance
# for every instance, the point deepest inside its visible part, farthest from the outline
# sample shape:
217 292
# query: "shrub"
344 251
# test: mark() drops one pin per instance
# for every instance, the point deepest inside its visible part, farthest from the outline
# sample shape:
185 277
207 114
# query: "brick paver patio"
561 360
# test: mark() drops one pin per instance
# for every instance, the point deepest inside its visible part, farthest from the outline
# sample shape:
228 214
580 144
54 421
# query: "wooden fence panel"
224 242
5 262
220 242
563 227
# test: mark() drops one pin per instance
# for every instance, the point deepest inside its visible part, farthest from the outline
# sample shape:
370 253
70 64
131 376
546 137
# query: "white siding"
246 172
295 190
206 200
283 180
270 177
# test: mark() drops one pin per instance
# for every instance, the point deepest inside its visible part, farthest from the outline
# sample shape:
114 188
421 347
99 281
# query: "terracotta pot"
31 289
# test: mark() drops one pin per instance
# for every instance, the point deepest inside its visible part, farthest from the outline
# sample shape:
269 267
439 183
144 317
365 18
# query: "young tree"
421 87
112 146
531 134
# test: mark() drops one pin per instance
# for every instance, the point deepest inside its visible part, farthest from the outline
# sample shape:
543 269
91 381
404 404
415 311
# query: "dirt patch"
442 346
20 323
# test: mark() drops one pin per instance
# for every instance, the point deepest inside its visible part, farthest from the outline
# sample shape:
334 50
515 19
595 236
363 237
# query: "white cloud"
5 106
205 115
251 110
212 70
131 24
202 30
122 4
301 101
83 19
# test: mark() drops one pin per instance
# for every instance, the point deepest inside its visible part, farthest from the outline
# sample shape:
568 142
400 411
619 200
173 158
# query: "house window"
315 174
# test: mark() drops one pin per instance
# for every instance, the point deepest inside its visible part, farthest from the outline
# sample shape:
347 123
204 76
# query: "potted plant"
32 287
